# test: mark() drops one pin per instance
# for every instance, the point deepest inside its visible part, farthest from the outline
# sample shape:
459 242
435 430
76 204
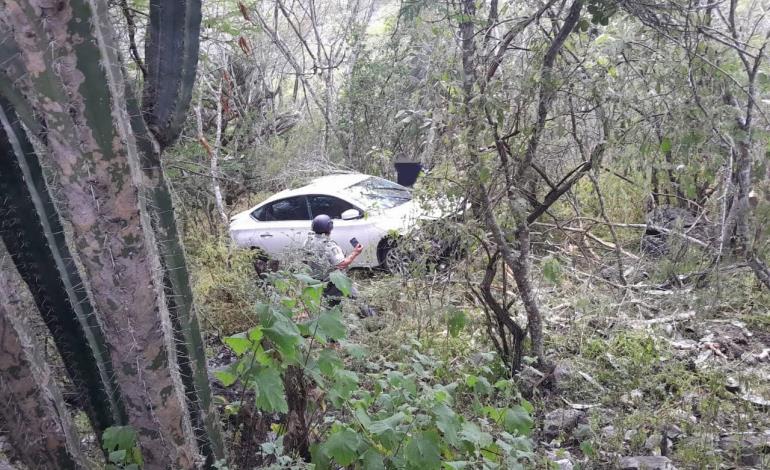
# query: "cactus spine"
105 171
32 411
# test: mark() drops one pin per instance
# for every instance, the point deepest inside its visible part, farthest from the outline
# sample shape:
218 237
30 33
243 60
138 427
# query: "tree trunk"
32 411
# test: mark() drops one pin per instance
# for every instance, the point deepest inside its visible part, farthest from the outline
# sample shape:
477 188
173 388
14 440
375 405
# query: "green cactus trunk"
32 411
101 190
30 228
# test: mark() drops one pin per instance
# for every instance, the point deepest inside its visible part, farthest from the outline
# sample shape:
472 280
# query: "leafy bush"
399 419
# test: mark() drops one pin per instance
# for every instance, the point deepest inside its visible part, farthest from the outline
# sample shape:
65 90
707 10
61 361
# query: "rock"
583 432
732 385
562 458
656 445
608 432
749 448
648 462
672 431
562 374
561 421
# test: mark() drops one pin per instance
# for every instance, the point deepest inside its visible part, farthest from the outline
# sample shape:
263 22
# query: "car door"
282 226
344 230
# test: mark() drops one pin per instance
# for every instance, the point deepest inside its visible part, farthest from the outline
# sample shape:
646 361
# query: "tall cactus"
32 410
107 182
33 235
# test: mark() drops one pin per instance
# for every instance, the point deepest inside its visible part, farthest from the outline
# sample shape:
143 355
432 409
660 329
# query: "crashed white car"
372 210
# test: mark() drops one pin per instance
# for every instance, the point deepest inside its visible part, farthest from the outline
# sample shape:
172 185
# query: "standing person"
324 256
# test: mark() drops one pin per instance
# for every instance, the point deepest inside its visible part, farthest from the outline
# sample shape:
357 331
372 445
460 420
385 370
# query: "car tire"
393 259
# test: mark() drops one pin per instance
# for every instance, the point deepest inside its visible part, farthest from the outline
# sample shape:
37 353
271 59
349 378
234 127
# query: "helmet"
322 224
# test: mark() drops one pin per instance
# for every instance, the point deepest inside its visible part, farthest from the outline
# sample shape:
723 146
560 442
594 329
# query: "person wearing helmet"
324 256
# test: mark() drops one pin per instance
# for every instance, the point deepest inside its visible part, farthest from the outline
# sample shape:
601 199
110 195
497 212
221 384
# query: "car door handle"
266 235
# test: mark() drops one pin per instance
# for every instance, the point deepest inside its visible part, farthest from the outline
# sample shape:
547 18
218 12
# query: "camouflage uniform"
323 255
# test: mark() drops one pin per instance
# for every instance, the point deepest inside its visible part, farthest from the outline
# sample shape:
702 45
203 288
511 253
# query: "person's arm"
350 258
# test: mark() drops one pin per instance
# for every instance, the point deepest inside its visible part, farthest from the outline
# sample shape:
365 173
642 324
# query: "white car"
372 210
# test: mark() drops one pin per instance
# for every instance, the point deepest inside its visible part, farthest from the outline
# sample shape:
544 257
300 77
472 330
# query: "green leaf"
355 350
305 279
311 296
239 344
423 452
472 434
448 423
345 382
456 465
373 460
342 446
665 145
118 437
226 377
255 334
283 333
328 362
330 324
118 456
270 395
552 270
455 321
342 282
517 420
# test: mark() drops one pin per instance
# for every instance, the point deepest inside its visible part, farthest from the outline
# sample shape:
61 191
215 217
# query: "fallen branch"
655 321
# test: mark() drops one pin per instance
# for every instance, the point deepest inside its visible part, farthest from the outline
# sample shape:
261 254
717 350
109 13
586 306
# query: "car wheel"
395 259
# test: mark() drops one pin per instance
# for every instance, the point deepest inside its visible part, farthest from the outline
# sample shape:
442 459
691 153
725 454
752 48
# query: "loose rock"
648 462
561 421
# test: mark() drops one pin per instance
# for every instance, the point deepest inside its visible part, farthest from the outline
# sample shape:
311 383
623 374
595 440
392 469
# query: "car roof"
329 184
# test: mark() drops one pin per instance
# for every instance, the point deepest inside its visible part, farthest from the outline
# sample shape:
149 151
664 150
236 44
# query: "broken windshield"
379 193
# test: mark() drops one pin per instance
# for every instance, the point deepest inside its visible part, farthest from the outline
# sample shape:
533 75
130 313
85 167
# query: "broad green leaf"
448 423
239 343
342 446
304 278
342 282
517 420
472 434
283 333
373 460
270 395
330 324
355 350
455 321
119 437
226 377
255 334
311 295
422 452
378 427
345 382
118 456
328 362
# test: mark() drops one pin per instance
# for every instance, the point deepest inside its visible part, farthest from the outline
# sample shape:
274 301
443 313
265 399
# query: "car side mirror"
351 214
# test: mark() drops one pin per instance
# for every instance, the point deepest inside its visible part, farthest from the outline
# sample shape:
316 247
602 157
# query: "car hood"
404 217
240 220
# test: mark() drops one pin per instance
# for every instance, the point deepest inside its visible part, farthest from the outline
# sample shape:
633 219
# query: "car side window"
329 205
293 208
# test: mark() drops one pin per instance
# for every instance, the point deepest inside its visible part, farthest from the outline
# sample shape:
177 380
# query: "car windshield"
379 193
